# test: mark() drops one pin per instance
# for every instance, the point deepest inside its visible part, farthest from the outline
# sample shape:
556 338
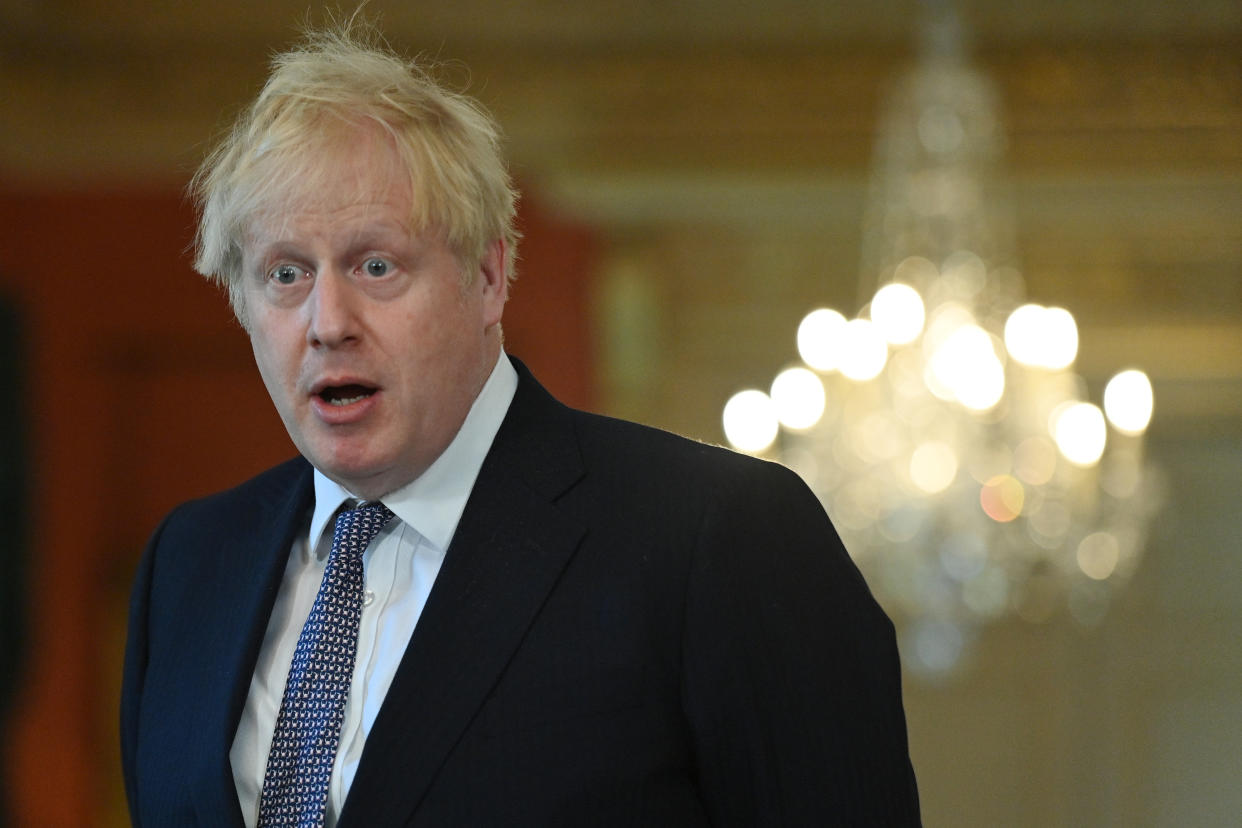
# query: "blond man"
465 604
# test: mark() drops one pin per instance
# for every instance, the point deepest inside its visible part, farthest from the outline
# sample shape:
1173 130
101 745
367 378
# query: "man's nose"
334 319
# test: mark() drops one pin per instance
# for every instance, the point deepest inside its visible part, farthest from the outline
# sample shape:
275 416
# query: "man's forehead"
380 204
358 185
342 225
336 153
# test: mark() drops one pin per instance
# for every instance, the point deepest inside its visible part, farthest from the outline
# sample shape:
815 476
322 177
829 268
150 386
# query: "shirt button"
367 597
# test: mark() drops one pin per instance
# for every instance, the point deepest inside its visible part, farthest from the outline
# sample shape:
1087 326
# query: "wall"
142 393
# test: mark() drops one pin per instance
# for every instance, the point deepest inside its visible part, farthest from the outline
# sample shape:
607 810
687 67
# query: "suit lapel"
510 547
254 564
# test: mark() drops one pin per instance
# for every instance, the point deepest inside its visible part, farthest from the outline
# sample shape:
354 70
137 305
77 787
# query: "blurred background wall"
694 176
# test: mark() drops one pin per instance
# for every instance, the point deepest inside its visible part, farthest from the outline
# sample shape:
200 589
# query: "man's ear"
493 281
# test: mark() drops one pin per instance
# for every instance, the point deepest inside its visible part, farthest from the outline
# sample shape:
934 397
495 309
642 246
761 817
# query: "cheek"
271 359
266 372
435 360
437 327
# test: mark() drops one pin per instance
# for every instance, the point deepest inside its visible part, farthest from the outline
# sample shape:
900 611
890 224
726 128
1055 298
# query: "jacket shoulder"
671 460
625 435
253 498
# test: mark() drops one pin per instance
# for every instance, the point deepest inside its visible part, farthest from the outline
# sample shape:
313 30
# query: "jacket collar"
510 547
255 560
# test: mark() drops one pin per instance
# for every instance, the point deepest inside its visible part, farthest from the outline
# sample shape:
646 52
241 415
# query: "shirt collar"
432 503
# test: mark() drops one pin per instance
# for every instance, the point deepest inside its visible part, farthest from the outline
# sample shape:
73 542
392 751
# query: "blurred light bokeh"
695 177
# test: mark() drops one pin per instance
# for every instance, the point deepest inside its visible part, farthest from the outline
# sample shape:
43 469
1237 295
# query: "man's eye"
286 274
376 267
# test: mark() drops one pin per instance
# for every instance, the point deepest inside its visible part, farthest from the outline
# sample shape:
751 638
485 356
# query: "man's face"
370 342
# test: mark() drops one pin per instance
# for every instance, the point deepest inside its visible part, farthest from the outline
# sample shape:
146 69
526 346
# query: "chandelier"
943 426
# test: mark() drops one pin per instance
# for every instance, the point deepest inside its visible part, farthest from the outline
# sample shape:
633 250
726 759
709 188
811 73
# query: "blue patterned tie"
308 727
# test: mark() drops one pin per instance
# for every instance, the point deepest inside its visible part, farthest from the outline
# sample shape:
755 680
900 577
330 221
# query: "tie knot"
373 507
356 528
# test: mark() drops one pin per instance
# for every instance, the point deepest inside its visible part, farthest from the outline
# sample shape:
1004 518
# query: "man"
558 619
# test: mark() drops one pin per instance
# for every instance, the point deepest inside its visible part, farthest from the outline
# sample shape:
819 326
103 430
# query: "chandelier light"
944 426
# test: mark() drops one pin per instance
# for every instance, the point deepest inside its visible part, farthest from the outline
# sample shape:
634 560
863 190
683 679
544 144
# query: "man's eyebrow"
392 241
266 250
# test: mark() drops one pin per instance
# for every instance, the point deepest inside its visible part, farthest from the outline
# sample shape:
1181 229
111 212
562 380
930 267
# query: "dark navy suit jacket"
629 628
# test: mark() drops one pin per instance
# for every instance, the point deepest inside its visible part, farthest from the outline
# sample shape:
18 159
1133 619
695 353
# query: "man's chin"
363 488
363 476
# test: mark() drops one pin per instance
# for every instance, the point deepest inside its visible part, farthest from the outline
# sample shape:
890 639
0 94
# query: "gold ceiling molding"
722 108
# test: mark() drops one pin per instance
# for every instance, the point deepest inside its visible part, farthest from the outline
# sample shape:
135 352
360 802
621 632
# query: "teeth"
346 400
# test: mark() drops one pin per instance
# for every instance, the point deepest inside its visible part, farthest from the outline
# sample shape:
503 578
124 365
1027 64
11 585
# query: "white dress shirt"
400 567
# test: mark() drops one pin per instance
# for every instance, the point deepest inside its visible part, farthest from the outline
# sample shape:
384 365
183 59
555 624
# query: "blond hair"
317 96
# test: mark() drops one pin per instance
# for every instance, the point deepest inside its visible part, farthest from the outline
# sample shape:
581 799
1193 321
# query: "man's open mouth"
342 395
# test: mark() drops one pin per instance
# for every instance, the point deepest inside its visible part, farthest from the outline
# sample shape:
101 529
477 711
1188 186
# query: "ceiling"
103 88
143 24
664 122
